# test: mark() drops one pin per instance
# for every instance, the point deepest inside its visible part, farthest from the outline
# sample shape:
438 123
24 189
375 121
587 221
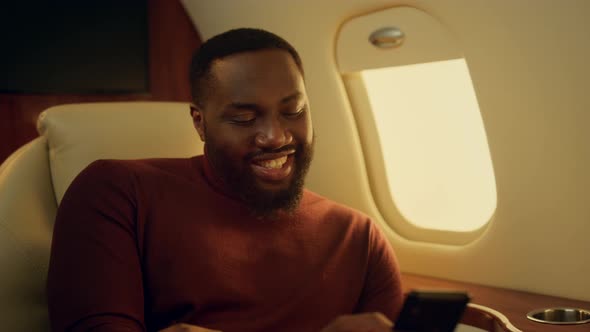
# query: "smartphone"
431 311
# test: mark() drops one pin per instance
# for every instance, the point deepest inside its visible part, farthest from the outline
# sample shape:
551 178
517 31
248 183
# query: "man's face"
257 128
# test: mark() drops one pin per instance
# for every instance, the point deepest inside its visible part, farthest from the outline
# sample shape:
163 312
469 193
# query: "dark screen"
431 311
74 47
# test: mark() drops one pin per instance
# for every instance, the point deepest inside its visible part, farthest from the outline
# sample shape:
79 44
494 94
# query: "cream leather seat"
34 178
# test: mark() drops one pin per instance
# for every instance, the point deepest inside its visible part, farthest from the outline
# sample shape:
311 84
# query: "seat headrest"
79 134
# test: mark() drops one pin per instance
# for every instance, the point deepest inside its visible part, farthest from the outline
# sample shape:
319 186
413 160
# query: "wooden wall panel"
172 40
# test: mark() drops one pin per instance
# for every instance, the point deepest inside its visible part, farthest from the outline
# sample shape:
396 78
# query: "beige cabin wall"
529 64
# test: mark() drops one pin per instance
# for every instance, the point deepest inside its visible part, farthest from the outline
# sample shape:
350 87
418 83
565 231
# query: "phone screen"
431 311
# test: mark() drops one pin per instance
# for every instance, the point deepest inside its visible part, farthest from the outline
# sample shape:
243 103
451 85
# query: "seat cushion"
78 134
27 211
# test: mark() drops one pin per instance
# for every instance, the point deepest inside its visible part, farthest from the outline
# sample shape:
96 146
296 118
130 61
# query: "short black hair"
228 43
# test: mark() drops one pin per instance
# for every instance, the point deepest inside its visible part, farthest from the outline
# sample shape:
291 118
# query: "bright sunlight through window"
435 149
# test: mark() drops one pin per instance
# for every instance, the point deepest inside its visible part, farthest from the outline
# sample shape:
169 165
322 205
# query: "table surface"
513 304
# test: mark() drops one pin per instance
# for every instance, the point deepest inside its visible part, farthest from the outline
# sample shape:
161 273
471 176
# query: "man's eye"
295 113
243 118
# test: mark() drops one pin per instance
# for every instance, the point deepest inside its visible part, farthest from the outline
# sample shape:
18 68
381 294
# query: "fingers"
182 327
366 322
381 317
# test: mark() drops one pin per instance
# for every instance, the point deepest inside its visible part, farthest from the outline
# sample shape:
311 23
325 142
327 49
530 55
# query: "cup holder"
560 316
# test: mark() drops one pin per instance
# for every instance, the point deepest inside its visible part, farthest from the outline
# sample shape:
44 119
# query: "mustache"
268 151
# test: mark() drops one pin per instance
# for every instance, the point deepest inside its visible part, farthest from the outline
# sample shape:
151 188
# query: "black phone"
431 311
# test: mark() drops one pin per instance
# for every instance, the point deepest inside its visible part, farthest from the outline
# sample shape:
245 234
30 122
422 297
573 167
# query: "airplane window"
420 127
434 147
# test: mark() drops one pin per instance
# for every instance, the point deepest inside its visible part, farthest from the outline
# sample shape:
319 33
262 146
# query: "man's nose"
272 134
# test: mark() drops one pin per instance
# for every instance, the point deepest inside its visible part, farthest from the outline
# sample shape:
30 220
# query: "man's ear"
198 120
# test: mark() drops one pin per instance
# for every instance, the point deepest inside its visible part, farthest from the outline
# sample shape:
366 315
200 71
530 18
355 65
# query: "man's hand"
182 327
367 322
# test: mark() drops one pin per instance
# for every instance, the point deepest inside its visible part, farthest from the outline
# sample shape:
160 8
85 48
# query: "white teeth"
273 163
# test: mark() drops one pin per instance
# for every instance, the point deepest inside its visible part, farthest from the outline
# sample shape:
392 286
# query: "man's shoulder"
142 164
125 178
114 167
321 205
118 173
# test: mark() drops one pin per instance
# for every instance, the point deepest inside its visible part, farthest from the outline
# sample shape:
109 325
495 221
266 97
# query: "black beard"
242 181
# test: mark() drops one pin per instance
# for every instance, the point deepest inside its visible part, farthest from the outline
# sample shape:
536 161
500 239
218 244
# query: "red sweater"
141 245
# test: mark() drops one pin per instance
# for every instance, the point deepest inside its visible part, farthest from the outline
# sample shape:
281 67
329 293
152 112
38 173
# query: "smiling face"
256 125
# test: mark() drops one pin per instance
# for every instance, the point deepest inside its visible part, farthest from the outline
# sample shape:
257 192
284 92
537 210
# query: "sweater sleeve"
95 280
382 290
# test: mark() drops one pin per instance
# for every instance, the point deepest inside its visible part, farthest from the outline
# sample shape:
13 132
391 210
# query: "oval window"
422 133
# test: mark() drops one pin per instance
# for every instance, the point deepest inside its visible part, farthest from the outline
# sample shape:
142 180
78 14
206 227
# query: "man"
228 241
